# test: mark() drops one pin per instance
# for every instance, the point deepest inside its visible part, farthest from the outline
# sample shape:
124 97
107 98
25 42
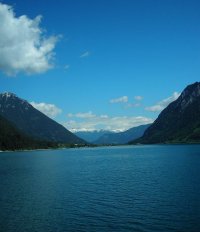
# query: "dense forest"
13 139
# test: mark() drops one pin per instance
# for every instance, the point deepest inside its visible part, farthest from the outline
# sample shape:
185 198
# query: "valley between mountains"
24 127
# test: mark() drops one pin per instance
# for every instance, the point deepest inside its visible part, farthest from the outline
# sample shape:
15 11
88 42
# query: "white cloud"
104 116
132 105
122 99
49 109
82 115
85 54
85 115
163 104
23 45
105 122
138 98
70 115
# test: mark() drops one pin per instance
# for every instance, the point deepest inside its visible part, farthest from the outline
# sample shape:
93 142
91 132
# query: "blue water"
133 188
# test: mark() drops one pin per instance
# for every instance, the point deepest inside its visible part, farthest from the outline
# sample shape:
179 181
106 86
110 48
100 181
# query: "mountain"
32 122
179 122
91 136
122 137
13 139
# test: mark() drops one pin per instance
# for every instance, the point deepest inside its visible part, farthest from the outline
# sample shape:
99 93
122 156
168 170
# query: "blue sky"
102 64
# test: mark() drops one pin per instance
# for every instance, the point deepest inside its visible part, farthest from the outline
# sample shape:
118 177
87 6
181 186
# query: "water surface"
133 188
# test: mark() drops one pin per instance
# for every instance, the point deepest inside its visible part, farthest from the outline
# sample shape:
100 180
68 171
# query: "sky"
109 64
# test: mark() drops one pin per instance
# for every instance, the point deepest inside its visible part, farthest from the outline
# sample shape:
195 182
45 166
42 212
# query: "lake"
127 188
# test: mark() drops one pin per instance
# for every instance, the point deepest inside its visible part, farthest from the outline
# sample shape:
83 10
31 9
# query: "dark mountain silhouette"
32 122
179 122
13 139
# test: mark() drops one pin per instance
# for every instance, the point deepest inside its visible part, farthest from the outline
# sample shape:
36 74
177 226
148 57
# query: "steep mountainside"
32 122
179 122
91 136
13 139
122 137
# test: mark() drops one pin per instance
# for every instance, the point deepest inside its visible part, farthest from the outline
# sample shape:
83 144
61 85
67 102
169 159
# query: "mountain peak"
189 95
32 122
11 100
8 94
192 90
179 121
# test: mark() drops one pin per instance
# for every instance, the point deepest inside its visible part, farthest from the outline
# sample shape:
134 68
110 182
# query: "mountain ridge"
32 122
179 122
91 136
13 139
122 137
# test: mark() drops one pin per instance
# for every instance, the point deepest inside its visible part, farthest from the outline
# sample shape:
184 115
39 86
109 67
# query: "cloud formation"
23 45
92 122
85 54
163 104
126 103
82 115
122 99
138 98
132 105
48 109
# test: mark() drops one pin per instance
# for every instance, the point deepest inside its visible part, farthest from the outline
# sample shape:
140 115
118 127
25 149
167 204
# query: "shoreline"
119 145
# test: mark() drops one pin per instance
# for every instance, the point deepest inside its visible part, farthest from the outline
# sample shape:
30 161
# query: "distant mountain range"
121 137
32 122
91 136
105 137
179 122
24 127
